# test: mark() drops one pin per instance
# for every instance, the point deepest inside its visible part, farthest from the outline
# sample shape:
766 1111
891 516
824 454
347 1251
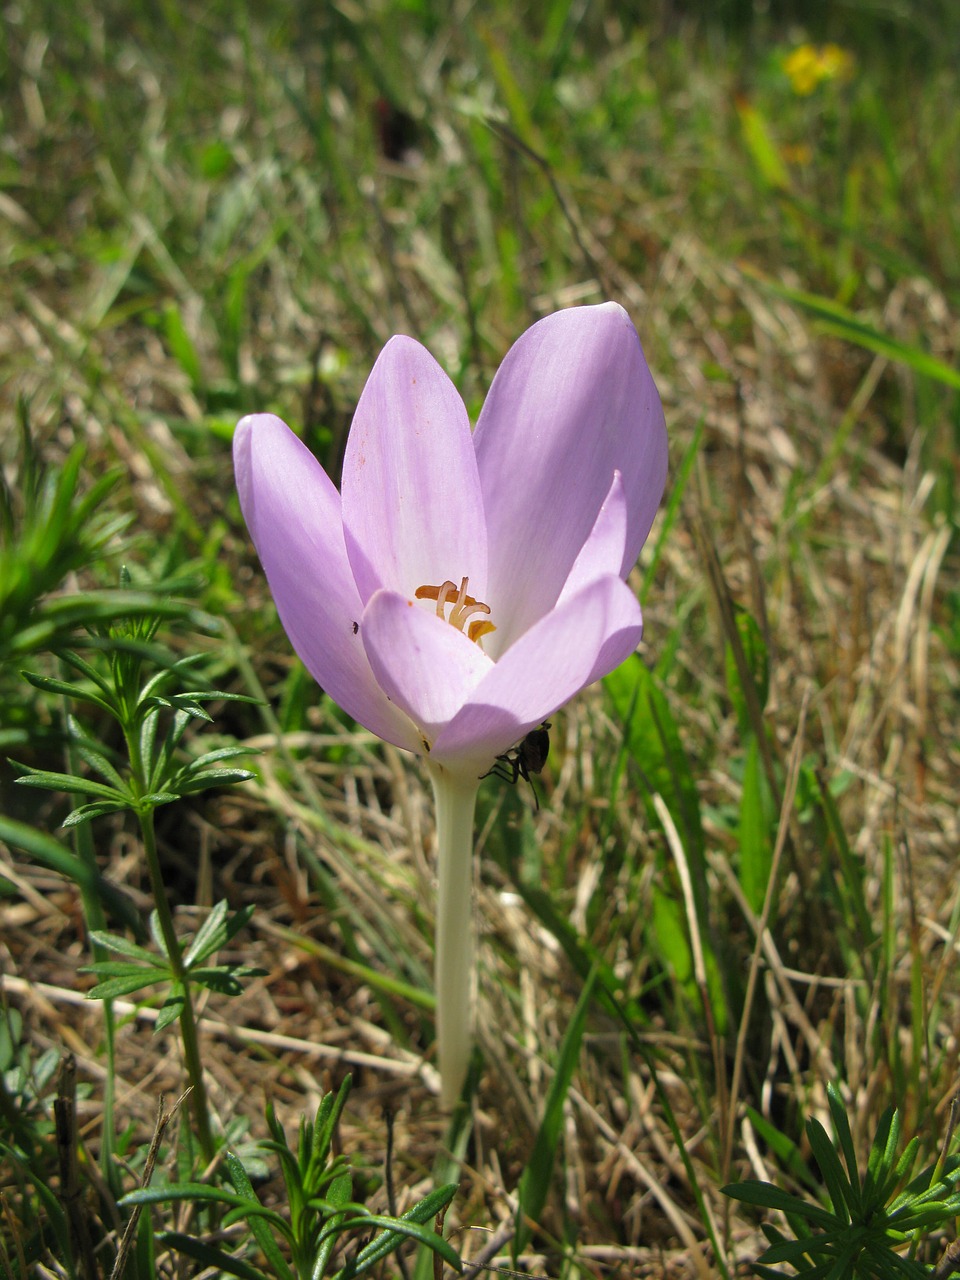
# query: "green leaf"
181 345
160 757
784 1148
222 695
259 1226
328 1117
766 1196
762 146
150 696
64 688
184 704
832 1171
90 754
670 931
112 988
215 1261
755 835
652 740
537 1177
906 1162
86 812
157 798
338 1196
839 322
225 979
385 1243
222 753
198 1192
840 1247
193 783
70 783
396 1229
215 932
211 934
841 1126
122 947
55 620
171 1009
320 1182
156 933
120 968
757 661
81 665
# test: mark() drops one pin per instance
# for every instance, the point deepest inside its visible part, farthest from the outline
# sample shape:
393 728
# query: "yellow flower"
801 69
808 66
835 63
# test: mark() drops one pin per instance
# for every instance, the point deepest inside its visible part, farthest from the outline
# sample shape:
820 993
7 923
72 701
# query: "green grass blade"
396 1230
222 1263
537 1176
832 1171
839 322
258 1226
756 846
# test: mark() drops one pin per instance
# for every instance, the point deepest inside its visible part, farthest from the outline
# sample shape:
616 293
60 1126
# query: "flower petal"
412 509
575 644
293 513
423 664
602 553
572 402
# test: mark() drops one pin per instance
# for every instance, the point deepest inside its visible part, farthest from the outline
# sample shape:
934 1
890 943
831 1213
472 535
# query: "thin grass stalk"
761 924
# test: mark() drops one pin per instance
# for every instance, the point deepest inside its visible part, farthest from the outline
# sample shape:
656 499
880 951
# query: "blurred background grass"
208 209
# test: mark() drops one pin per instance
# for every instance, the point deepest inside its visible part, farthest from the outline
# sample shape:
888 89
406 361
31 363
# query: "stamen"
444 595
463 607
477 630
462 612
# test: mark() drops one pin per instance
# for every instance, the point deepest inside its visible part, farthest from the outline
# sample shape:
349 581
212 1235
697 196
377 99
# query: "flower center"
461 605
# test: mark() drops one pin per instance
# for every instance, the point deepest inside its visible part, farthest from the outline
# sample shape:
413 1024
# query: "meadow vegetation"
725 945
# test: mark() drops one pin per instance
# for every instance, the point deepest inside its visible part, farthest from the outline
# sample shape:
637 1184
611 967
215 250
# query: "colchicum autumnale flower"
464 585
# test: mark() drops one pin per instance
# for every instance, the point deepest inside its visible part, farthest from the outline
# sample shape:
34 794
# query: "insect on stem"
528 756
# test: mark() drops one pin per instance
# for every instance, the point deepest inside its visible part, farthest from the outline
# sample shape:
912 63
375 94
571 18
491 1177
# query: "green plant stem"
188 1022
455 798
96 922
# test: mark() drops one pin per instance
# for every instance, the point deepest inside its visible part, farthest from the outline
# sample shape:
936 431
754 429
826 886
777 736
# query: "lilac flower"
463 586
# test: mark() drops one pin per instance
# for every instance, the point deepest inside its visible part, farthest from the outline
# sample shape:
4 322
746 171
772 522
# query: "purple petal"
570 647
572 402
412 509
424 665
293 513
602 553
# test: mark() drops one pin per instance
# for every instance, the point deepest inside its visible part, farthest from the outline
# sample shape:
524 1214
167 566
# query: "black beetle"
528 756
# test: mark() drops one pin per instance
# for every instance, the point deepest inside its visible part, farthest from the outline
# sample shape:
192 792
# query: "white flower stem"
455 798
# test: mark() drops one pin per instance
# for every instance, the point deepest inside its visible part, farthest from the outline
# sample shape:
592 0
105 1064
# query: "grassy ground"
750 836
